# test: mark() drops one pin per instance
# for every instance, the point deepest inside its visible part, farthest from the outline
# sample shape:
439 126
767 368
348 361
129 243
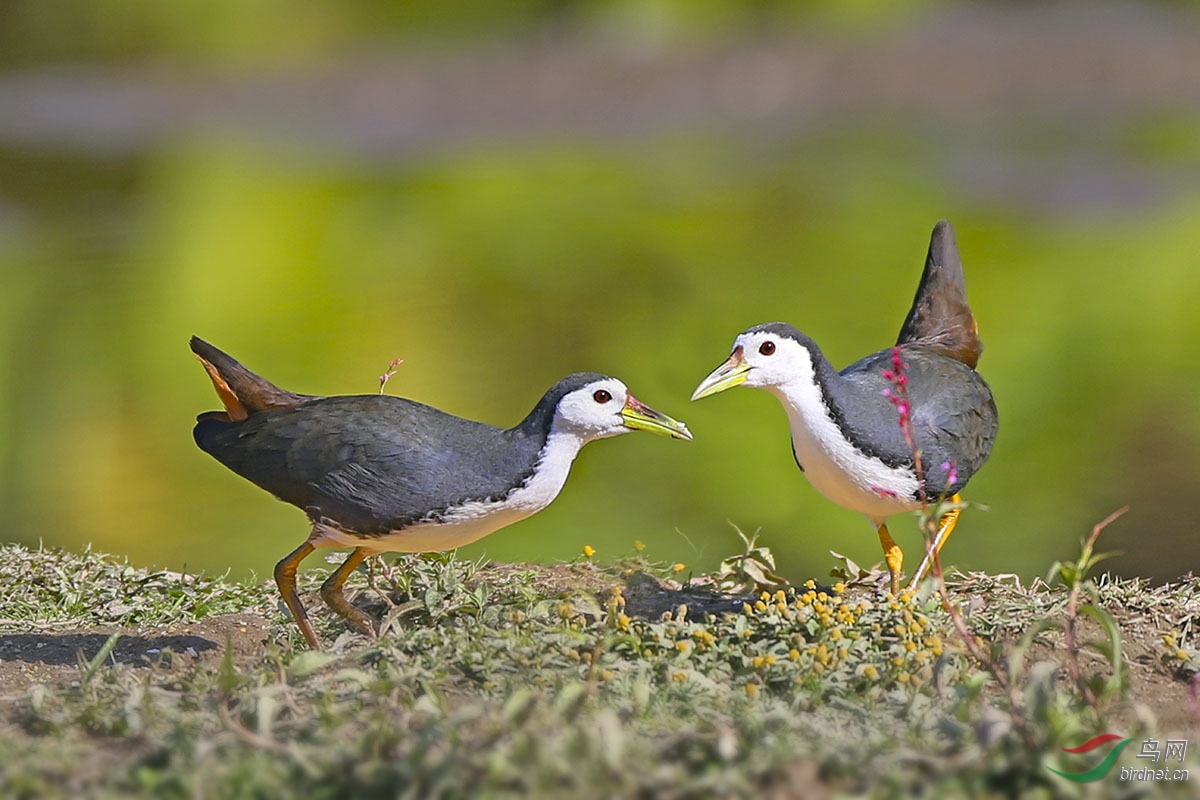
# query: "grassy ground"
608 680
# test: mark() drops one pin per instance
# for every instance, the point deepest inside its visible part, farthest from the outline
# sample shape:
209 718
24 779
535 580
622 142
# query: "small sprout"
391 370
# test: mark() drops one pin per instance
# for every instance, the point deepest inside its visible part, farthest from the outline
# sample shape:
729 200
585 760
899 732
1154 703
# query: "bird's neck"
550 470
827 415
814 396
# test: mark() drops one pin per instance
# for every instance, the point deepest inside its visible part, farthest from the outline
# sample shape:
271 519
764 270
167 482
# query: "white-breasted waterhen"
381 473
845 426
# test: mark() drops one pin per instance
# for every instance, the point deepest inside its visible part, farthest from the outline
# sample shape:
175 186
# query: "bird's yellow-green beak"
731 373
640 417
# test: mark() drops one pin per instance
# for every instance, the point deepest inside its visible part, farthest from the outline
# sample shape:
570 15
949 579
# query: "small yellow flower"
1169 640
679 677
781 596
794 654
903 677
758 661
759 605
1181 655
870 672
810 584
623 621
839 587
752 689
680 567
639 545
588 551
683 645
606 674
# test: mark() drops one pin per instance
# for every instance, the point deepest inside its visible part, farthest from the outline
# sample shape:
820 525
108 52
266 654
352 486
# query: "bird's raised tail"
940 318
241 391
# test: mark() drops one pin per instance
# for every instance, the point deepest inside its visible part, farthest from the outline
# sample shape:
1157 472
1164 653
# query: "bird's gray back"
372 463
953 414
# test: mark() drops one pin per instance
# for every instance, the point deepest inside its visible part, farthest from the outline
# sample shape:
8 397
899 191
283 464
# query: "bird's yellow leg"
945 527
893 555
331 593
285 579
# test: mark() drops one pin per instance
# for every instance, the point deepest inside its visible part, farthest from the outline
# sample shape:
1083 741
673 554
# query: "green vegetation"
503 681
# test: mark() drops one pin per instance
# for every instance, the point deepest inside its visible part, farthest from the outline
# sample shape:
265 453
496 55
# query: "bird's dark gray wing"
371 463
954 416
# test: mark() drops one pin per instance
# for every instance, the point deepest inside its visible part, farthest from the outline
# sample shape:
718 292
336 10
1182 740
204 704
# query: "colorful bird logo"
1100 770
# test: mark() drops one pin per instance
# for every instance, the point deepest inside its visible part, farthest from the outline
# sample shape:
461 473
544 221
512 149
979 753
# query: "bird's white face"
760 359
605 408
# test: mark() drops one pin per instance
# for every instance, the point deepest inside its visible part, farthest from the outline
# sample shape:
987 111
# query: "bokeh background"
502 193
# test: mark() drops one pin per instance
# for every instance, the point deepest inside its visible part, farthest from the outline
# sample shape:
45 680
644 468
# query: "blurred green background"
504 193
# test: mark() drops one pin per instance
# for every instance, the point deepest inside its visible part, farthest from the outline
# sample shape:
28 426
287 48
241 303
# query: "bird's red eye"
602 396
766 348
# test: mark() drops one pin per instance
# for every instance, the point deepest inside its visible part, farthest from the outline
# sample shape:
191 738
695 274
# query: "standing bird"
385 474
846 432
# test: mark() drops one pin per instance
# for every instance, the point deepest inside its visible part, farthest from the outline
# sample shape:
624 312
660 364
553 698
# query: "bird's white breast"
472 521
834 466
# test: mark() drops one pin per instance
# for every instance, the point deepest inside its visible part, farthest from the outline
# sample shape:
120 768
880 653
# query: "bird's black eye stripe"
766 348
602 396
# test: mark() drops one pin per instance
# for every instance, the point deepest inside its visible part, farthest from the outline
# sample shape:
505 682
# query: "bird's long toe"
334 597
